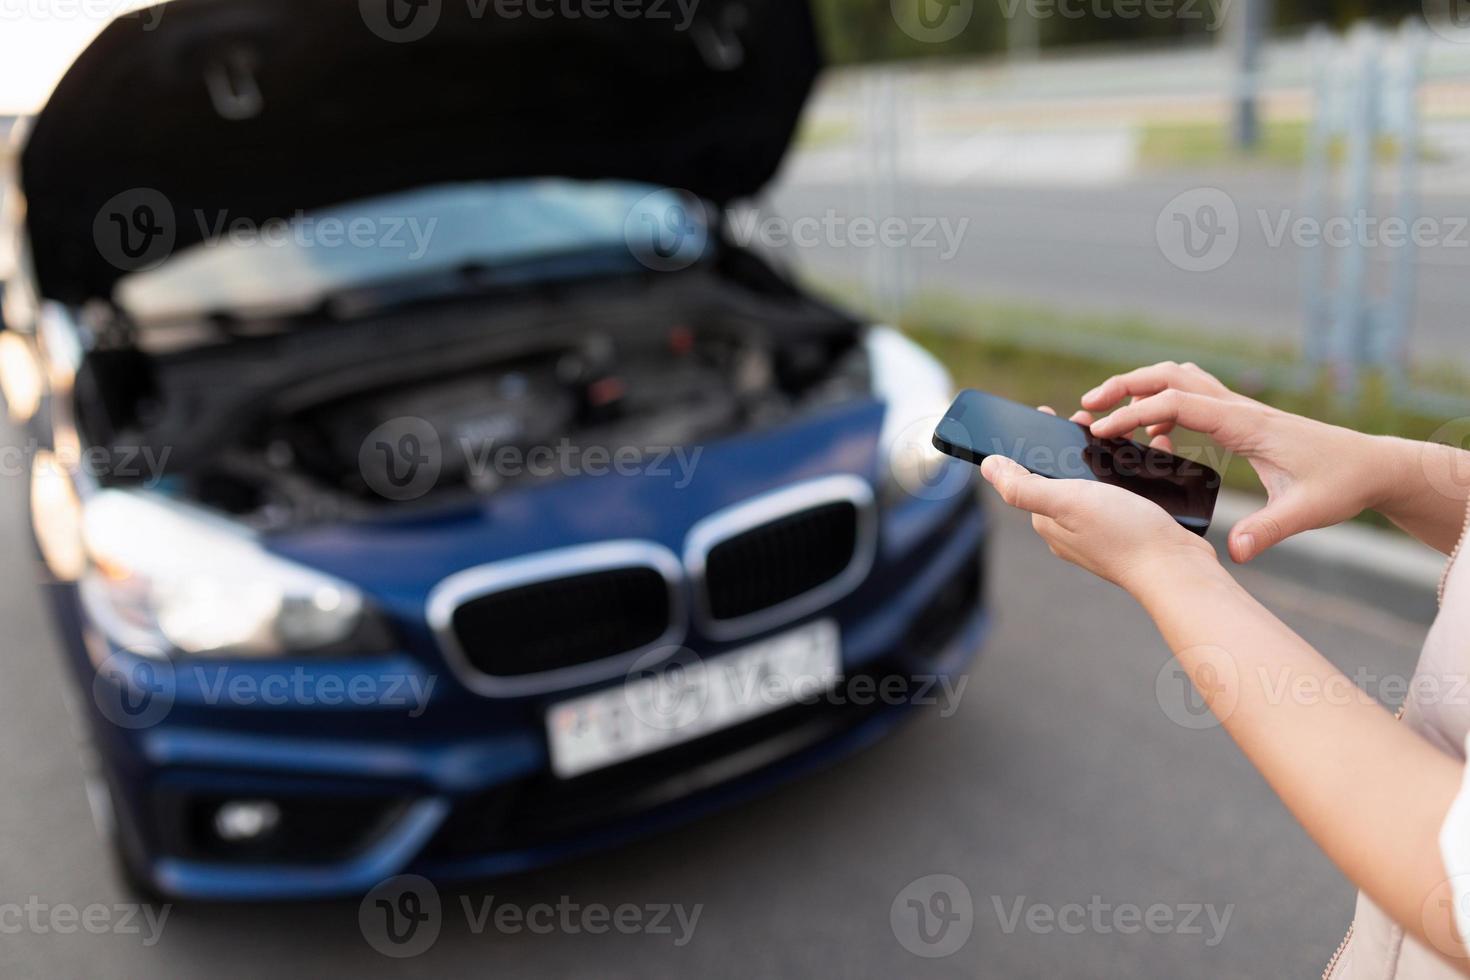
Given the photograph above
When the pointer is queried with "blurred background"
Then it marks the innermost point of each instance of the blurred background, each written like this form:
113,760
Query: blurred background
1276,189
1044,192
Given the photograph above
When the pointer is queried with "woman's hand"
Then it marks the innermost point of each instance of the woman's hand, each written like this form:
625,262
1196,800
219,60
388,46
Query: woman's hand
1115,534
1315,474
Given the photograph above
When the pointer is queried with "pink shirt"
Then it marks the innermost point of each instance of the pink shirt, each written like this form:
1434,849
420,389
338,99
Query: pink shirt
1439,710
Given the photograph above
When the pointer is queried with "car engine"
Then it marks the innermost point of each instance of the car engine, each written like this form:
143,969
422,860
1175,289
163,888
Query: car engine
299,426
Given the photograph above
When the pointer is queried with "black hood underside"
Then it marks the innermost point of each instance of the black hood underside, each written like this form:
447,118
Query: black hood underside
203,110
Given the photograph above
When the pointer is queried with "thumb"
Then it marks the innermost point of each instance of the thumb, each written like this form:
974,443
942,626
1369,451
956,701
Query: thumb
1270,525
1021,488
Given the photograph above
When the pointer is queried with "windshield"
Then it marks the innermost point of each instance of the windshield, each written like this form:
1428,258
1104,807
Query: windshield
293,264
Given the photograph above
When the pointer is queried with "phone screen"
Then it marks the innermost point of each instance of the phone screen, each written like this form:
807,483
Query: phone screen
979,425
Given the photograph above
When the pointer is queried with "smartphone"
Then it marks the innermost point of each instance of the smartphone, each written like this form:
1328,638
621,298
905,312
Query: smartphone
979,425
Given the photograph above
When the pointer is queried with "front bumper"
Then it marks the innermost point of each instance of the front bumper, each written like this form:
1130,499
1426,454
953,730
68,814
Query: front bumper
452,805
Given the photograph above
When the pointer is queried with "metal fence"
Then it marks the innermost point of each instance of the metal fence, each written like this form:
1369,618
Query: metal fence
1362,94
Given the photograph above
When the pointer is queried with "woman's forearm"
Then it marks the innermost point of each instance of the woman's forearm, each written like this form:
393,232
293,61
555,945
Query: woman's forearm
1371,792
1422,487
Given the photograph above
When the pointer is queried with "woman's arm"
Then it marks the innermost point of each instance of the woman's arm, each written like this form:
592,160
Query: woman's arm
1371,792
1424,489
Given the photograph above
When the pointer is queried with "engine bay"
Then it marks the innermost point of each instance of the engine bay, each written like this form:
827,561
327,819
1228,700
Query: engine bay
292,426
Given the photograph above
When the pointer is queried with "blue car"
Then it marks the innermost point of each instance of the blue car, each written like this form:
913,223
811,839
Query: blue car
423,477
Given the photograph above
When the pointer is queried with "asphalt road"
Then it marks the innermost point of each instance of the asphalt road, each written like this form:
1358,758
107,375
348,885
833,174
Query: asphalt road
1094,250
1059,784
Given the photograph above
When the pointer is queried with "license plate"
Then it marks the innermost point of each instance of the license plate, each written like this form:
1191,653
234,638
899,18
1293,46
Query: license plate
681,702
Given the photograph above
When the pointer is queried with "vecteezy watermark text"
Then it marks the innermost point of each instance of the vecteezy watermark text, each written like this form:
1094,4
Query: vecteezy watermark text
143,465
669,230
136,693
570,917
1213,12
674,691
835,230
938,21
1127,460
395,232
38,917
933,917
138,229
100,11
1101,917
1199,230
403,916
405,21
405,457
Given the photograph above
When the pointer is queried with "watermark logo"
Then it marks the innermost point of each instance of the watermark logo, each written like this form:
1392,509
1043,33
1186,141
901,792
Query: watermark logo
132,692
922,470
1452,482
135,230
932,21
667,230
668,689
1203,695
1447,906
1450,19
401,917
401,21
402,458
1198,230
933,916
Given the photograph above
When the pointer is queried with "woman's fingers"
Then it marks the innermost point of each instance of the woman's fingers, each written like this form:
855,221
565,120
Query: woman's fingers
1162,442
1082,416
1198,412
1159,431
1022,489
1145,381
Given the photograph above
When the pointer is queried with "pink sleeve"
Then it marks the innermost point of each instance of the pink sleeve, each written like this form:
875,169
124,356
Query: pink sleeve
1454,849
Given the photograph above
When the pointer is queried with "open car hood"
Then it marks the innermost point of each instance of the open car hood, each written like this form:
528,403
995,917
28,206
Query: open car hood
189,116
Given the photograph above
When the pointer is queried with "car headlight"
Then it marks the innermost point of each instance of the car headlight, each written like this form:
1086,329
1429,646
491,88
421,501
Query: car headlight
918,391
164,577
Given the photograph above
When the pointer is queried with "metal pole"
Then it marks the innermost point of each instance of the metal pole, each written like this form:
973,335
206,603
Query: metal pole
1316,190
1391,346
1023,34
1349,340
1250,22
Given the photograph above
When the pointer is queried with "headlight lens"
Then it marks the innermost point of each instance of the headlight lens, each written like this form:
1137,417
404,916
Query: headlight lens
917,390
163,577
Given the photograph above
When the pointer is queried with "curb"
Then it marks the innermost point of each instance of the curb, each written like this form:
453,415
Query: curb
1386,569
